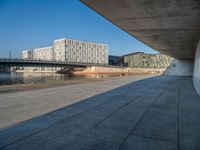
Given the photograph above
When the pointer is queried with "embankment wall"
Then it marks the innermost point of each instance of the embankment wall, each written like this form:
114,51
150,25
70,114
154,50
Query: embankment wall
119,70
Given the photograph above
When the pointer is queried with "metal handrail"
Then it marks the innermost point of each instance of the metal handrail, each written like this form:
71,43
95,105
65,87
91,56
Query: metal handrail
3,59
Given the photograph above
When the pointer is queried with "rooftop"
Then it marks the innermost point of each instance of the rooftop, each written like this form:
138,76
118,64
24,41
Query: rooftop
80,41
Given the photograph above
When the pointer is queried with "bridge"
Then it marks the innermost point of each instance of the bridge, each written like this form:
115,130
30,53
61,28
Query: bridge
24,63
8,64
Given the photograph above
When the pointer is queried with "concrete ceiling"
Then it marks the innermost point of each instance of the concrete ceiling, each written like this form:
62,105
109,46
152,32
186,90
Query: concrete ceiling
169,26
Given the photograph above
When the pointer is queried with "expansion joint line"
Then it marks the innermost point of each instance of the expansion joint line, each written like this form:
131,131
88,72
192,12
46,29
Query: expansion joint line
178,117
120,147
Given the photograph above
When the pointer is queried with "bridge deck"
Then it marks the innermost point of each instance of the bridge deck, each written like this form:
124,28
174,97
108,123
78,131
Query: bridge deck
155,113
17,62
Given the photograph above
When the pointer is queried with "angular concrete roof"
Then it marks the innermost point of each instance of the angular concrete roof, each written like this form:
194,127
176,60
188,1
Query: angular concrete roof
169,26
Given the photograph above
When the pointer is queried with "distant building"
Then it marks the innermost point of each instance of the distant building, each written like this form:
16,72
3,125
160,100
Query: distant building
70,50
79,51
142,60
45,53
27,54
116,60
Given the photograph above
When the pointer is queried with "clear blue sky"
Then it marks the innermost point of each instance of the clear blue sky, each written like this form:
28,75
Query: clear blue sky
26,24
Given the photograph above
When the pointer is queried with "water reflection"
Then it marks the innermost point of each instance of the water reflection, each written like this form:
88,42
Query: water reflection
26,78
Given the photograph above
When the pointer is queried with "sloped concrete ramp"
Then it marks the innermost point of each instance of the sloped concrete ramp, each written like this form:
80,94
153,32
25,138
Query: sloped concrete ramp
155,113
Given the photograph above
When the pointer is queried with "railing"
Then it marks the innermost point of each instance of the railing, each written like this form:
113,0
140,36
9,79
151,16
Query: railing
18,60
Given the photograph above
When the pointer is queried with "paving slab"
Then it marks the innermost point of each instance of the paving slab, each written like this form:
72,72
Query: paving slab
144,143
188,142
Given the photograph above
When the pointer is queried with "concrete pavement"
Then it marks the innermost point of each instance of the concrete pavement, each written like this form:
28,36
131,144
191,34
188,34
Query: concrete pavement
155,113
20,106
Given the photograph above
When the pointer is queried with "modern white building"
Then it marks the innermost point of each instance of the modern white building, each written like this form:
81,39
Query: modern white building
45,53
70,50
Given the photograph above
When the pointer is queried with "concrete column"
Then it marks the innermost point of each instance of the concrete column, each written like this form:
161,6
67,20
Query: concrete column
196,73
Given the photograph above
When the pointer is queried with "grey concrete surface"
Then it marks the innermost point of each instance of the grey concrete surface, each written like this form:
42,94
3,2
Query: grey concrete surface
169,26
17,107
159,113
196,73
180,67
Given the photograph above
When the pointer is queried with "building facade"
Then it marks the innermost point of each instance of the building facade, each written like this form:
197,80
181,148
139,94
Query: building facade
142,60
70,50
45,53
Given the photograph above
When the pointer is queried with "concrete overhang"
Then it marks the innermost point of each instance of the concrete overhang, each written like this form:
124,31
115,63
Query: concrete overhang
169,26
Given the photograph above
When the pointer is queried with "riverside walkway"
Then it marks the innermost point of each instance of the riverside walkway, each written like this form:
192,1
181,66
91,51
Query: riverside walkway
159,112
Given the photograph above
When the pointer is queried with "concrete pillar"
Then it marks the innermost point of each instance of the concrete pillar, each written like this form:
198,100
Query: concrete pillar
196,73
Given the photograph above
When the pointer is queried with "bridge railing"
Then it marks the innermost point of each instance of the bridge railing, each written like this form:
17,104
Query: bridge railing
19,60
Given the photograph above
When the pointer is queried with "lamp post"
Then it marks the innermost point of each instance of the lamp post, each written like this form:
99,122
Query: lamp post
9,54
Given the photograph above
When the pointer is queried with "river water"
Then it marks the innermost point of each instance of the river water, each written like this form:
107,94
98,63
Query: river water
26,78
